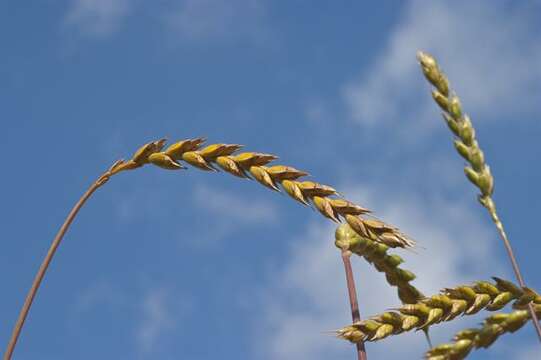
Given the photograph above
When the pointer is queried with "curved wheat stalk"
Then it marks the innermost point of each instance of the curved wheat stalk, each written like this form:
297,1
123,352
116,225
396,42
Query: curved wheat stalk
50,254
243,165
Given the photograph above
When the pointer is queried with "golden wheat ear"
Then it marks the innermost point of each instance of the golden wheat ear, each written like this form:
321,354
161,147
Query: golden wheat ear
255,165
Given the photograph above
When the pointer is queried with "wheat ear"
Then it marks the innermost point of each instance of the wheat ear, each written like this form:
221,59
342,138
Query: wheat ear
492,327
254,165
478,172
376,254
452,302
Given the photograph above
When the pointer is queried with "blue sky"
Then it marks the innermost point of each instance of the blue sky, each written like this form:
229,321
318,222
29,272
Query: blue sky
192,265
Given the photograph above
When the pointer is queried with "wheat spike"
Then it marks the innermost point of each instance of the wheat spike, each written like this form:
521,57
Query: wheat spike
469,339
467,146
452,302
376,253
255,165
460,124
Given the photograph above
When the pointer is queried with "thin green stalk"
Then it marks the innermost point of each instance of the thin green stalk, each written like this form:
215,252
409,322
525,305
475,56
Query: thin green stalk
491,207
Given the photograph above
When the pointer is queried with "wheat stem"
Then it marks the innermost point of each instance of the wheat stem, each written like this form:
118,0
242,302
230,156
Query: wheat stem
352,292
50,254
514,263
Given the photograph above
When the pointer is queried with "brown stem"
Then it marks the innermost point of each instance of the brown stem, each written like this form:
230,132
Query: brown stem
45,264
346,254
491,207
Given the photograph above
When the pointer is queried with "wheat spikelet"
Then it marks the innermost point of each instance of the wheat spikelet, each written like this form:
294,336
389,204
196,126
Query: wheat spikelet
255,165
492,327
376,253
452,302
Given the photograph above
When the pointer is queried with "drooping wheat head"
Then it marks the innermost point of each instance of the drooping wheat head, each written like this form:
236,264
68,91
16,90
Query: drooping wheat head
255,165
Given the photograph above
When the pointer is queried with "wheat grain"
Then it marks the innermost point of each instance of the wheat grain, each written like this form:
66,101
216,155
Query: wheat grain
493,327
452,302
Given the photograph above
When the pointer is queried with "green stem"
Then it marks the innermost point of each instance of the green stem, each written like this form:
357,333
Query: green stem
489,204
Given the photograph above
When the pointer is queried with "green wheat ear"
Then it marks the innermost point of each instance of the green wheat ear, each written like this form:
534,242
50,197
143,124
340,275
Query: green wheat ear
376,254
451,303
465,141
469,339
461,126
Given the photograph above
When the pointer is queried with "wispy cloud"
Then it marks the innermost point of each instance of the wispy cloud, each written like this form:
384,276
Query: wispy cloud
234,207
489,50
231,212
220,20
309,296
97,17
100,296
100,293
156,318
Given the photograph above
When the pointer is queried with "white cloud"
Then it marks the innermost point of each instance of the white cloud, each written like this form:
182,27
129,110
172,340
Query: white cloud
309,297
229,213
489,50
210,20
97,17
135,202
157,318
234,207
98,294
158,311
